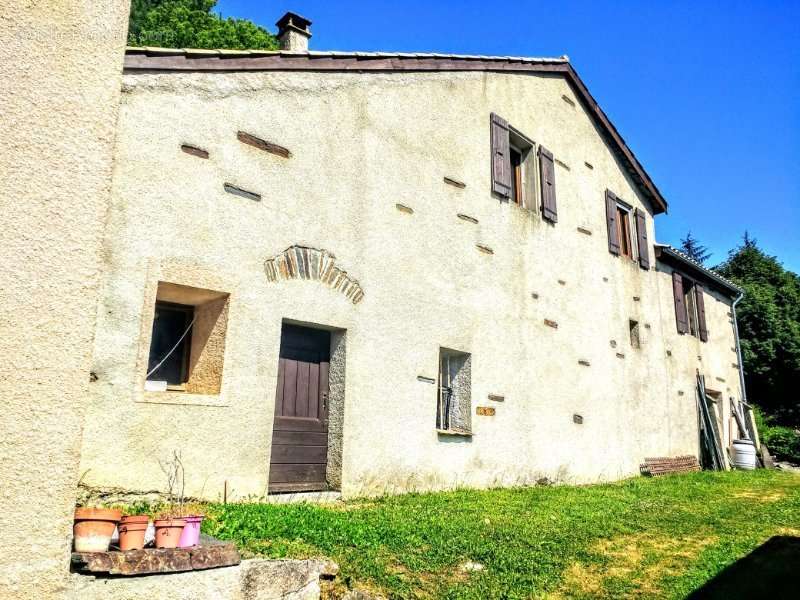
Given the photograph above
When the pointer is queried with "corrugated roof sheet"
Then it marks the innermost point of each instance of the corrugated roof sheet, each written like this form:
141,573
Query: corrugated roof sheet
158,51
688,260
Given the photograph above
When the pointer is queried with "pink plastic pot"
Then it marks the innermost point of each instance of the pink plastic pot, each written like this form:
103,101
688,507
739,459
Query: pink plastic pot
190,536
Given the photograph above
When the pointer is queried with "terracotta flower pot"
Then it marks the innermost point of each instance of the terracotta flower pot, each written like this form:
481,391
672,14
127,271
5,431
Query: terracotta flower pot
168,532
93,528
131,532
191,533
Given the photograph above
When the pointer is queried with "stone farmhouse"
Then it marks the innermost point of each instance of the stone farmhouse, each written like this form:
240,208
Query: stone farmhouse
375,273
360,272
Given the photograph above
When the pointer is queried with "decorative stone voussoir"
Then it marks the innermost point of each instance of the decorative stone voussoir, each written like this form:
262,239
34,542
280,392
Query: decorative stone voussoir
300,262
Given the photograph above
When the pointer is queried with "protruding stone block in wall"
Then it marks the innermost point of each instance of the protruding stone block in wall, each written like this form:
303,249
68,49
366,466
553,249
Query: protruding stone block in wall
455,182
194,151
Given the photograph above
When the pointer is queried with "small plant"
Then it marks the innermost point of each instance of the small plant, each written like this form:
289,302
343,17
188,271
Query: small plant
176,484
169,523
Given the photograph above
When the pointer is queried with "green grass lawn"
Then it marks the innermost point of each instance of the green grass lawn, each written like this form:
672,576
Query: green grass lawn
659,538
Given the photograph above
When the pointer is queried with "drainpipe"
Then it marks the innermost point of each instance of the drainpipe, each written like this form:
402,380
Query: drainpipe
756,441
739,346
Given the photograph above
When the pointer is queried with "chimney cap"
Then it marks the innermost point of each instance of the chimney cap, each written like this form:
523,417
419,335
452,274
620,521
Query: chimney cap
293,21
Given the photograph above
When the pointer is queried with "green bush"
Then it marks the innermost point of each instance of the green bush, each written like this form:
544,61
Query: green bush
783,442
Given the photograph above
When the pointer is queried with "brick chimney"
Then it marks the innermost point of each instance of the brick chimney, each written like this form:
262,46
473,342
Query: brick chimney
293,32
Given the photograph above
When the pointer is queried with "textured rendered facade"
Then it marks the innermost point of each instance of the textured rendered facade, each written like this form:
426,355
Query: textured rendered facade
59,94
543,309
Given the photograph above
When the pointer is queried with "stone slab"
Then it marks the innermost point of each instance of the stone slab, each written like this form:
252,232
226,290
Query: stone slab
255,579
156,560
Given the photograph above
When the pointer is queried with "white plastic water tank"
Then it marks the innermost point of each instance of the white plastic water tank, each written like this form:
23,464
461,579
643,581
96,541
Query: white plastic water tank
744,454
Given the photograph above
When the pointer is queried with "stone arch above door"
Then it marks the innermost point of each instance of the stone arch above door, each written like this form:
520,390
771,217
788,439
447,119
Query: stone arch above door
313,264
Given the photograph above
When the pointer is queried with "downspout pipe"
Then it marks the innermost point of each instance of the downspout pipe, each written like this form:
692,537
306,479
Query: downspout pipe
756,441
739,347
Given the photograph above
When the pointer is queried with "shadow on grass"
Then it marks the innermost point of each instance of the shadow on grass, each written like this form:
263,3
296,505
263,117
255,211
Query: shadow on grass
770,571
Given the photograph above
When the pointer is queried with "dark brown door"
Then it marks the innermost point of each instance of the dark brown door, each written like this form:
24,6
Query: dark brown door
300,434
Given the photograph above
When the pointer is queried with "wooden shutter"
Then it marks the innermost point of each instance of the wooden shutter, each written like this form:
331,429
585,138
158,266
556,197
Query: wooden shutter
681,316
611,221
641,238
501,159
701,312
548,174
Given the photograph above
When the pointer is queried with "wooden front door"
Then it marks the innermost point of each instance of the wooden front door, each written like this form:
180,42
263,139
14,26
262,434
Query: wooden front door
300,434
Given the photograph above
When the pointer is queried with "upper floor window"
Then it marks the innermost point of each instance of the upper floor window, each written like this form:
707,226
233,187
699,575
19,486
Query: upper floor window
514,169
626,224
624,231
515,154
690,312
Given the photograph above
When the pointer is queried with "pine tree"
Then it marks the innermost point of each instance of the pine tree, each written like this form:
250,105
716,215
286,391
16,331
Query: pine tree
694,249
769,326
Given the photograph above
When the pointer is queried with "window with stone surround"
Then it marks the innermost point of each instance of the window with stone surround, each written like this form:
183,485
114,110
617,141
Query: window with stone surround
633,330
187,344
454,402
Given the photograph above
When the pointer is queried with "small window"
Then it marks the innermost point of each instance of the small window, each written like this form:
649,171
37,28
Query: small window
520,153
691,305
690,312
187,345
455,393
513,170
170,343
624,231
516,175
633,329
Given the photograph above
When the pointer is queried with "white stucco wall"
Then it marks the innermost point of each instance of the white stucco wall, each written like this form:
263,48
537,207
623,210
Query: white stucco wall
59,93
362,143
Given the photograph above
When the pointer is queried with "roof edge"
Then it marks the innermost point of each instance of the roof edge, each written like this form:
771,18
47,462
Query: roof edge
665,250
176,59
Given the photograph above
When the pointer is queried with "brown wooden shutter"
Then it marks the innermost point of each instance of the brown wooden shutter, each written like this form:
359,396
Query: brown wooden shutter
641,236
681,316
611,221
701,312
501,159
548,173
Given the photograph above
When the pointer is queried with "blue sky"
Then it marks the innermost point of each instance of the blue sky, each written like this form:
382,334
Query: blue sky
707,94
